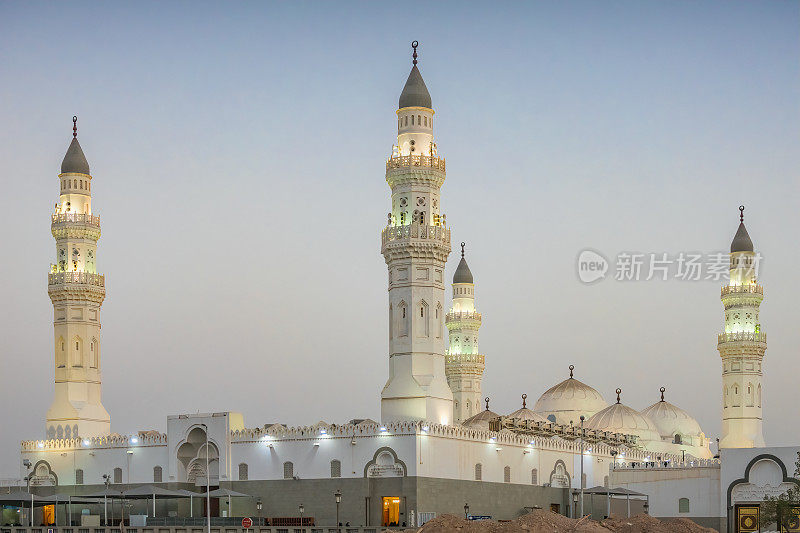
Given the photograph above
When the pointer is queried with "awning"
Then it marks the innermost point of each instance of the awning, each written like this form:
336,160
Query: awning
227,493
148,491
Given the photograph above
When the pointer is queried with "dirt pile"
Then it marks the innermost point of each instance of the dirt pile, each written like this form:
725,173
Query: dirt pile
541,521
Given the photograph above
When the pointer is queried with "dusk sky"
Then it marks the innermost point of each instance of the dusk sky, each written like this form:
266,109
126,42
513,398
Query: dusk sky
238,153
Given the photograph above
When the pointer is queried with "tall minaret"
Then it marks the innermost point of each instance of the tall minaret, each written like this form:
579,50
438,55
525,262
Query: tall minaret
77,292
415,244
464,363
742,347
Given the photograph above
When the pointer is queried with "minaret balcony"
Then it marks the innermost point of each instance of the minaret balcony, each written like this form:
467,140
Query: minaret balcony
81,278
407,161
742,336
83,218
742,289
463,316
464,358
415,233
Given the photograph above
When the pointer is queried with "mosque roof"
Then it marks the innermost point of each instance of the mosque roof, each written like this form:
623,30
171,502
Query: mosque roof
463,274
480,420
741,242
524,413
74,160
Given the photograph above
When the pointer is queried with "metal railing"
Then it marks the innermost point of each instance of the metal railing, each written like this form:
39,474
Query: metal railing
741,289
75,217
401,161
85,278
465,358
462,315
415,231
754,336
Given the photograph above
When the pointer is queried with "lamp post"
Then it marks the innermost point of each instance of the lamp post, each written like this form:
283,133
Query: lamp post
466,511
28,465
302,510
582,419
338,496
208,485
106,482
258,508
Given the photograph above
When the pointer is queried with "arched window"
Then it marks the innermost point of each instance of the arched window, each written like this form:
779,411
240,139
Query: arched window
61,356
426,122
412,120
288,470
534,477
77,355
79,476
158,474
242,471
439,320
406,120
478,472
507,474
423,326
750,395
118,475
758,395
683,505
391,322
336,468
403,326
678,439
419,120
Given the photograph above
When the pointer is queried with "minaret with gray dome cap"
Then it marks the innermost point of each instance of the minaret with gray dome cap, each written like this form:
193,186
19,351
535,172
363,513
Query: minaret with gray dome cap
742,346
464,363
77,292
415,244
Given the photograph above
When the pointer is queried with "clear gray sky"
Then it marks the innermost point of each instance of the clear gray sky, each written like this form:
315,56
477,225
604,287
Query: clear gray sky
238,158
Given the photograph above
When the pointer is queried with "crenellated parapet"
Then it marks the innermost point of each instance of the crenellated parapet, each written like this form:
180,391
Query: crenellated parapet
107,441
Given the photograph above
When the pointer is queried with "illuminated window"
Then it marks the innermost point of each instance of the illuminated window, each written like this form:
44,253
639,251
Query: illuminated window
678,439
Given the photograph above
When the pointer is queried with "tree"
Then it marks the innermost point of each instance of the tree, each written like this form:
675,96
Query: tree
781,505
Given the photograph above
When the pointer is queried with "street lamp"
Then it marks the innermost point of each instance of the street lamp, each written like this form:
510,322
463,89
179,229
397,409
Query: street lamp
106,482
258,507
208,484
466,511
302,510
582,419
27,464
338,496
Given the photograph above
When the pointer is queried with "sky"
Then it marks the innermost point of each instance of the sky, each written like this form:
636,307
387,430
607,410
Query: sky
237,153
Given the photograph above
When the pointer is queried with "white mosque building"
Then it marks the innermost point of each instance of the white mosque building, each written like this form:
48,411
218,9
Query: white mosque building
438,445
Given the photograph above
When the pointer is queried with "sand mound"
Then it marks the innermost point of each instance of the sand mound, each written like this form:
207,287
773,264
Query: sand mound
541,521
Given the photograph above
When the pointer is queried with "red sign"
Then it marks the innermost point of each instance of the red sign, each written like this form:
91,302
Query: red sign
247,523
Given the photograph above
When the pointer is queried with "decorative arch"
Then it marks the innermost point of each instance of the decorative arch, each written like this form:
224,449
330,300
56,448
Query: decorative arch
385,463
76,347
42,475
560,477
61,353
94,355
191,455
746,479
422,316
403,318
439,319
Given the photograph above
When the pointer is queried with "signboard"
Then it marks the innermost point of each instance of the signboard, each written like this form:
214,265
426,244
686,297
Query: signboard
790,524
746,518
247,523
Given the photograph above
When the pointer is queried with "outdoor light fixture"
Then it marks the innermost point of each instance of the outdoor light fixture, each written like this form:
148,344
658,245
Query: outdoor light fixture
383,428
86,442
134,440
130,452
40,444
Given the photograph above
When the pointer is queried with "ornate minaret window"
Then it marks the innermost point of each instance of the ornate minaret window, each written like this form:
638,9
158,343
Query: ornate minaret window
464,364
742,347
415,244
77,293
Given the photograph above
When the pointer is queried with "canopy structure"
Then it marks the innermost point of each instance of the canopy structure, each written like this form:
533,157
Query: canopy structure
222,493
610,493
151,491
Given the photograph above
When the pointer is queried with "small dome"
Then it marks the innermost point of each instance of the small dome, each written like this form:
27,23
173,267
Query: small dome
415,93
741,242
463,274
619,418
480,420
568,400
526,414
671,420
74,160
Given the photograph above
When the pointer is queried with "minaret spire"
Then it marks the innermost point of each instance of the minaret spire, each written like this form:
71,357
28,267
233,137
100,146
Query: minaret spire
74,126
414,55
741,214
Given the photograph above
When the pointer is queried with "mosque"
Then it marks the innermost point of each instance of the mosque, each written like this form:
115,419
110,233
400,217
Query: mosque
438,447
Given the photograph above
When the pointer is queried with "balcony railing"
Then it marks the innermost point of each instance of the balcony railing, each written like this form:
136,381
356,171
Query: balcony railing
752,336
85,278
462,315
465,358
742,289
415,231
76,217
427,161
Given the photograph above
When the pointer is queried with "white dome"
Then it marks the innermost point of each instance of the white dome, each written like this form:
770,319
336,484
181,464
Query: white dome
619,418
671,420
568,400
526,414
481,420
